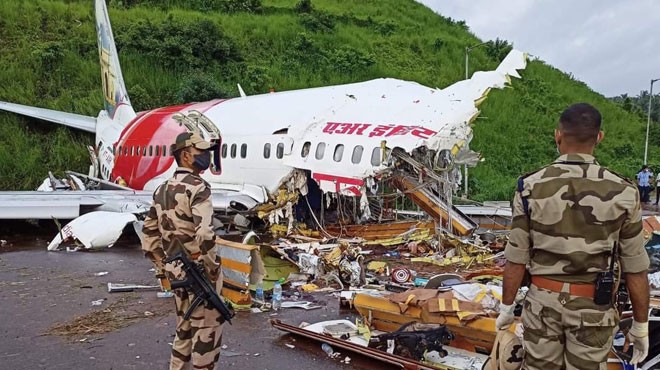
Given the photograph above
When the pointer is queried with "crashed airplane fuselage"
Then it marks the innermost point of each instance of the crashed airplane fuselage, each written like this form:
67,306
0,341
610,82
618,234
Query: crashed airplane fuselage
344,137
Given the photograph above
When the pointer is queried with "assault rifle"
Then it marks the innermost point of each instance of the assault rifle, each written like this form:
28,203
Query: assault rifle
201,287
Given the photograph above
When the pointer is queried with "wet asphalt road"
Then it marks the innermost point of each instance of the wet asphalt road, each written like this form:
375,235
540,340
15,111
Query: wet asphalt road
39,289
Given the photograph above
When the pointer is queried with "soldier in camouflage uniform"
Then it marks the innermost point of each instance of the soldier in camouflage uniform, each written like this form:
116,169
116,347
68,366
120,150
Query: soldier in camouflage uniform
180,218
567,218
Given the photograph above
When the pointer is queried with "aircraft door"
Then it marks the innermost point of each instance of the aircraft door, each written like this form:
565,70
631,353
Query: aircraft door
216,165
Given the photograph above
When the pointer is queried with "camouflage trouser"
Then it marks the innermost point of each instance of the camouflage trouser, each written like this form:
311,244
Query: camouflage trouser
566,332
194,340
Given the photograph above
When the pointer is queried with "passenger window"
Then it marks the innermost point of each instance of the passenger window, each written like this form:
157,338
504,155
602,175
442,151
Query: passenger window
164,151
157,150
144,151
151,151
125,150
339,152
233,150
243,150
280,150
267,150
119,150
357,154
375,156
320,150
224,150
305,149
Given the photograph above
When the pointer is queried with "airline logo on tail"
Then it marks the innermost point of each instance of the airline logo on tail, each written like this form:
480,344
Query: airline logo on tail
114,91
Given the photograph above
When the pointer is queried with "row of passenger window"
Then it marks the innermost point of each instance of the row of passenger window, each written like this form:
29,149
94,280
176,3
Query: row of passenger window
161,150
137,150
338,153
337,156
232,149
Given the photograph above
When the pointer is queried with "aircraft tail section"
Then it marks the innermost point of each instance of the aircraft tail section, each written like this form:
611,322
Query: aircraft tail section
115,95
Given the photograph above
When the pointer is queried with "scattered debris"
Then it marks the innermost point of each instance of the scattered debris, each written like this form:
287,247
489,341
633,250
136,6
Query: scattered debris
309,287
93,230
98,302
118,287
300,304
114,316
327,349
102,273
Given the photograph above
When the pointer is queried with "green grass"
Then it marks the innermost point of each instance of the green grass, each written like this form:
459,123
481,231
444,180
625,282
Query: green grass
49,58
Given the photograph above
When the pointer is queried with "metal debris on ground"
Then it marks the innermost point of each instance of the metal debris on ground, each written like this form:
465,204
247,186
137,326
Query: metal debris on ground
118,287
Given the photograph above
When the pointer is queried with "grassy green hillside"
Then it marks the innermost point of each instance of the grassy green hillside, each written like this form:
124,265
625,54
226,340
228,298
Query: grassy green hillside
169,48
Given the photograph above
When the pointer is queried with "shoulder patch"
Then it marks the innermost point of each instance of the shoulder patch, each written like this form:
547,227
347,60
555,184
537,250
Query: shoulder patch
520,188
528,174
627,180
157,190
193,180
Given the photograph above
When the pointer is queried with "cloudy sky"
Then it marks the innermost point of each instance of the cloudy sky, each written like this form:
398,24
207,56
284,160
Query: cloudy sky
612,45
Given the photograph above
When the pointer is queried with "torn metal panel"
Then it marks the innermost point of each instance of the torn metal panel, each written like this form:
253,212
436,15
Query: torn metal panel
410,236
94,229
390,113
241,266
489,217
357,340
276,266
401,362
433,205
383,230
119,287
241,263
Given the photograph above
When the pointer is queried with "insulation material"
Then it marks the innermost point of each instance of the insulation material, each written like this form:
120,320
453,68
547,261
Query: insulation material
488,296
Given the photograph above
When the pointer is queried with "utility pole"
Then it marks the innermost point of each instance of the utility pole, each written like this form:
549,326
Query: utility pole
648,121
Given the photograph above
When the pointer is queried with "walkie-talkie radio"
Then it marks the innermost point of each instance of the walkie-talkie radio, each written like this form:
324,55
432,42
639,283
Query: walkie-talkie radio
605,282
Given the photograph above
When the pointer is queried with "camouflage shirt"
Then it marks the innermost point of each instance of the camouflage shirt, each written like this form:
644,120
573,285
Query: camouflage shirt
181,216
576,212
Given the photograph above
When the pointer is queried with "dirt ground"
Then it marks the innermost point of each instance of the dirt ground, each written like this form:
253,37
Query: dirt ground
47,319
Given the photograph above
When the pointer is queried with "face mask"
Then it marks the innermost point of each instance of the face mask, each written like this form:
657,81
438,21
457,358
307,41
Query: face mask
202,161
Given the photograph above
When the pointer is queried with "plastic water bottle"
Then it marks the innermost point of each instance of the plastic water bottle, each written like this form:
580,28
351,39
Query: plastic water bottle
259,292
327,349
277,295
